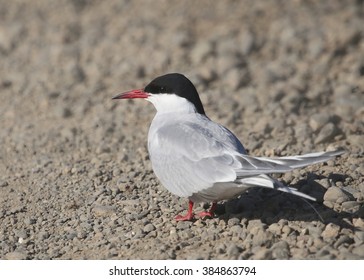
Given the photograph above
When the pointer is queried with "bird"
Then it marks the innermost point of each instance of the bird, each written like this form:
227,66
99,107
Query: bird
198,159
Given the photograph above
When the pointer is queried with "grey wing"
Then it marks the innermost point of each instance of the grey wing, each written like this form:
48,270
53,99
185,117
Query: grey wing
188,157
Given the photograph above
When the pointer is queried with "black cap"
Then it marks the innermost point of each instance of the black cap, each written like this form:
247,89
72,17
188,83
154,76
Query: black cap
175,83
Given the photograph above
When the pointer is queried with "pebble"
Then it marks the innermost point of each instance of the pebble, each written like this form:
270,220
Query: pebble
201,51
301,131
263,254
148,228
275,228
16,256
360,236
247,42
314,231
359,250
3,184
344,239
280,250
236,229
63,112
317,121
233,251
233,222
335,194
351,206
102,210
330,231
324,253
326,134
183,225
261,237
220,248
29,221
6,40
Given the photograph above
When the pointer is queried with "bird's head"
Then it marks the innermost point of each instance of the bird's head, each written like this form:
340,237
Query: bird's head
169,93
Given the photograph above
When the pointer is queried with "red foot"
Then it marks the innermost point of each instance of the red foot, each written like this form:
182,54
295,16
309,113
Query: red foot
205,214
209,213
189,216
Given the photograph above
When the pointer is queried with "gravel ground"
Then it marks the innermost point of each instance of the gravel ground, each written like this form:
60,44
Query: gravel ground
75,179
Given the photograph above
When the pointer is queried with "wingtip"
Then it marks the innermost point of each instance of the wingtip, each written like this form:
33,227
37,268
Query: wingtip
337,152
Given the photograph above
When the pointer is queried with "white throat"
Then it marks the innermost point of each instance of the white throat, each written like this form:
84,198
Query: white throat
171,103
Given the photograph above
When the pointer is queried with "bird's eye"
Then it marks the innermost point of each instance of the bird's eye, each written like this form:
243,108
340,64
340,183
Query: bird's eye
163,89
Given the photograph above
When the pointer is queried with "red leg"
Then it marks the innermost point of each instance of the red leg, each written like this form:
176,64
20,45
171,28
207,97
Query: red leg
209,213
188,216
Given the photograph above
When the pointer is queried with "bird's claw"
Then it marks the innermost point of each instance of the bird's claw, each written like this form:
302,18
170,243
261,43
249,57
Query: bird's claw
205,214
187,217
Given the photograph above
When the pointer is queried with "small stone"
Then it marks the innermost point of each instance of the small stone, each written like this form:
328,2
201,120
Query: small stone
64,112
261,237
275,228
324,253
16,256
220,248
233,221
95,173
286,230
43,235
342,91
359,223
3,184
351,206
201,51
71,235
302,130
21,233
237,229
247,42
184,225
343,239
315,47
280,250
263,254
29,221
148,228
354,139
122,178
314,231
233,251
317,121
102,210
330,231
359,250
324,183
334,194
6,43
360,235
102,148
326,134
328,204
235,78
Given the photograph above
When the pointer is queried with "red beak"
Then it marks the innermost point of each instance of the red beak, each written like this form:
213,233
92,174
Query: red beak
135,93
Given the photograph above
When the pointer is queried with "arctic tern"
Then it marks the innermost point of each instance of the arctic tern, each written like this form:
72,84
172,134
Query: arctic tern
201,160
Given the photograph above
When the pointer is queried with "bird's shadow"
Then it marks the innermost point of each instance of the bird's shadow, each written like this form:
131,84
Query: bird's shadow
270,205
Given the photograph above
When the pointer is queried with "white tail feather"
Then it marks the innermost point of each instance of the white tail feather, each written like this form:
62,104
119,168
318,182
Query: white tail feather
268,182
